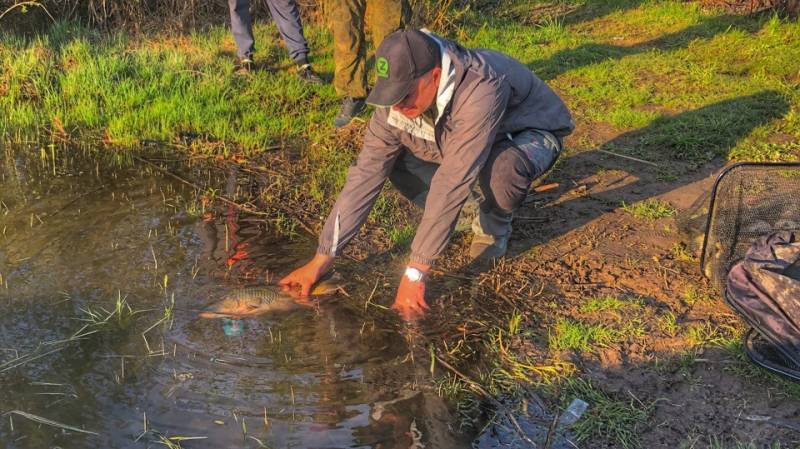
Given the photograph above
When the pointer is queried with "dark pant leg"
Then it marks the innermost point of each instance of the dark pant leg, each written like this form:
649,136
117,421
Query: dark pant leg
505,178
242,27
287,18
412,177
349,51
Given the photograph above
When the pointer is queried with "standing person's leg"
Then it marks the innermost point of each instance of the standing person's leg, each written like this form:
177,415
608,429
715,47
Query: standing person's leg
287,17
242,28
504,180
350,78
386,17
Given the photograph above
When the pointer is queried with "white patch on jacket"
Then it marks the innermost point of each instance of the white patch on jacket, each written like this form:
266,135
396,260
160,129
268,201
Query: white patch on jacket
447,85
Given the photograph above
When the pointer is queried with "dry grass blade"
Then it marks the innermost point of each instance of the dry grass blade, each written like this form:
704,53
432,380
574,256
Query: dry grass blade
26,4
49,422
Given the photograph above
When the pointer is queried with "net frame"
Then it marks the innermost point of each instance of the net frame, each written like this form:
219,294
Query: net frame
710,266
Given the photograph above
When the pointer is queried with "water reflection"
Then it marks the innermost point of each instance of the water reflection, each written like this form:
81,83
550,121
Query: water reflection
90,234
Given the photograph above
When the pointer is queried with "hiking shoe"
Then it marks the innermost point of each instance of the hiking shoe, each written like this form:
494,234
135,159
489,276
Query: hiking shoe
487,247
351,107
307,74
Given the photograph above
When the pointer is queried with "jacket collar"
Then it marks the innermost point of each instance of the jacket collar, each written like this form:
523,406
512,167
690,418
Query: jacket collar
447,83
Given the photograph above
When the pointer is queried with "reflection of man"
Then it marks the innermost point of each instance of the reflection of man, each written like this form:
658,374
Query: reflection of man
446,117
349,47
287,18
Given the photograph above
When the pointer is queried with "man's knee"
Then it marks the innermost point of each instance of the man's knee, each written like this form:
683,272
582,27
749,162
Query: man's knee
505,179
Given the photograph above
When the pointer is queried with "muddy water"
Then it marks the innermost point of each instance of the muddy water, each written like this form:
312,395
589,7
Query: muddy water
105,262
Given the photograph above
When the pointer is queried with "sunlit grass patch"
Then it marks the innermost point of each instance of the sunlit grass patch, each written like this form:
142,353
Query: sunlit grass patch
693,295
402,235
667,323
681,253
569,334
649,209
608,303
708,334
610,419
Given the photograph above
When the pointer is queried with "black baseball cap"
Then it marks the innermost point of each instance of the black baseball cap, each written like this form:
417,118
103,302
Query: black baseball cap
401,59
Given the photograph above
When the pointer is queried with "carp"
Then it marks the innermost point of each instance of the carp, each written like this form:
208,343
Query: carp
254,301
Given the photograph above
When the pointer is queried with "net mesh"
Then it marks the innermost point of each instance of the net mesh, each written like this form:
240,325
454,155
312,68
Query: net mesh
749,200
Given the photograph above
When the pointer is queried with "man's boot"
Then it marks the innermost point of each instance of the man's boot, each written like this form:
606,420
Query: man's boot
351,107
491,230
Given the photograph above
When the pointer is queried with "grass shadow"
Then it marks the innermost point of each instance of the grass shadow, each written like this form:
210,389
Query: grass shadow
593,53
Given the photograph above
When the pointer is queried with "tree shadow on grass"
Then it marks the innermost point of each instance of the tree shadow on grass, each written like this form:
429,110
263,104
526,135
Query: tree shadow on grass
593,53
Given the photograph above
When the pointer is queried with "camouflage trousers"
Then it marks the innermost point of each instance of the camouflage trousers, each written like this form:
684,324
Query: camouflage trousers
347,19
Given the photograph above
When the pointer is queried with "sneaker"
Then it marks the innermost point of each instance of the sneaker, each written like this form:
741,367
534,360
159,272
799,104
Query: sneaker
307,74
351,107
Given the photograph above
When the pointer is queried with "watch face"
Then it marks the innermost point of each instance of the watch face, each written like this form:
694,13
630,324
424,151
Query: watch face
413,274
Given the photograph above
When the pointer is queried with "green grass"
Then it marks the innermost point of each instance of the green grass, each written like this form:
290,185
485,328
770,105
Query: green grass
608,303
649,209
121,90
570,334
681,253
682,81
403,235
609,419
693,295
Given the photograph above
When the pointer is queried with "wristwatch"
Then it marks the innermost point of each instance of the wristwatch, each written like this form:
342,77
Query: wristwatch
413,274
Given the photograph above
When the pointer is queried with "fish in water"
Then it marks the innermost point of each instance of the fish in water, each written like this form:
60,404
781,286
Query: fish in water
254,301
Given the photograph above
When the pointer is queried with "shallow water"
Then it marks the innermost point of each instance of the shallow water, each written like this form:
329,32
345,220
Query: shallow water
83,233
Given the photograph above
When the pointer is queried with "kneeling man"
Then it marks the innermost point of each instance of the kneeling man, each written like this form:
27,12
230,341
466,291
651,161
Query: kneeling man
445,117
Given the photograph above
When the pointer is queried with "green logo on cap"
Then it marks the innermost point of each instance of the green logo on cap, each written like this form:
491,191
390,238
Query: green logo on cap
382,67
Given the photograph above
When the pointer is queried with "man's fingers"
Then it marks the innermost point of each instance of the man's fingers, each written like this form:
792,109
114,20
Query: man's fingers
305,288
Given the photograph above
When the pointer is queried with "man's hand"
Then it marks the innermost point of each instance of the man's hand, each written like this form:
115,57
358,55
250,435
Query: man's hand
306,276
410,300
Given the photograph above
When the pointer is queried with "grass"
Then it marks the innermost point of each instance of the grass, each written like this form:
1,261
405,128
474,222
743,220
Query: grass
681,253
693,295
608,303
403,235
569,334
609,419
649,209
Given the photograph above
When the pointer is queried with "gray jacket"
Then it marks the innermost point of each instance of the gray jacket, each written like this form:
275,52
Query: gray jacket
483,97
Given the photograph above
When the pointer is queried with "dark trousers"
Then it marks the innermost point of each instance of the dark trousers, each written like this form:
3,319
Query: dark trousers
287,18
504,179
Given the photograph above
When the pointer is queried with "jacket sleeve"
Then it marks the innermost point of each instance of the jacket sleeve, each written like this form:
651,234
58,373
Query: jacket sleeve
476,120
362,186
